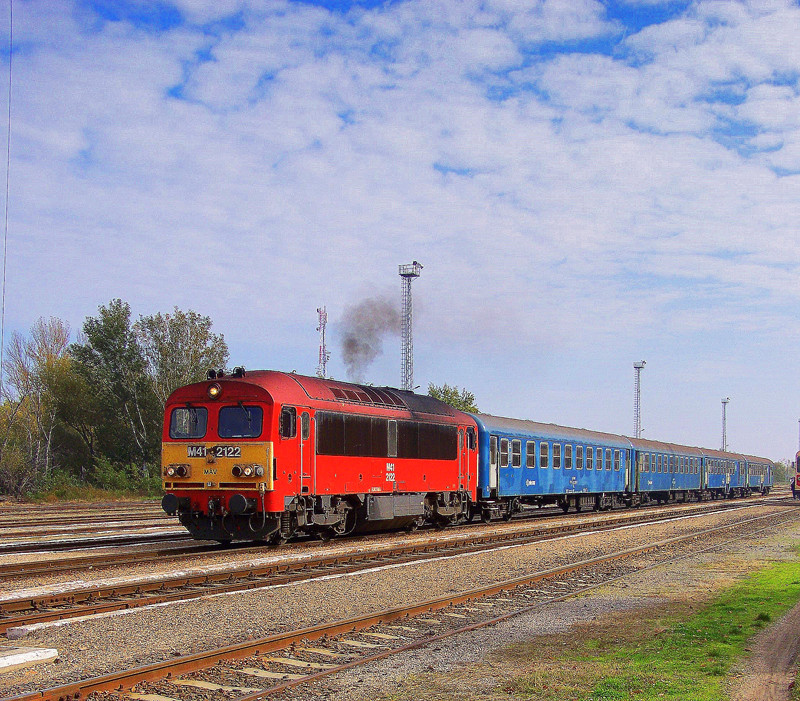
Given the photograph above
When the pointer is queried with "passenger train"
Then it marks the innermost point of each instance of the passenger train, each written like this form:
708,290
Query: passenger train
266,455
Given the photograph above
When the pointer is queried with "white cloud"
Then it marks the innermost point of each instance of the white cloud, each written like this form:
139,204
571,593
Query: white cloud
603,200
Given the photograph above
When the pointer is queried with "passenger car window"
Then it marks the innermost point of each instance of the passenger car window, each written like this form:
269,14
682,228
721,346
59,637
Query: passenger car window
530,454
567,457
544,455
516,449
579,457
556,456
188,422
504,452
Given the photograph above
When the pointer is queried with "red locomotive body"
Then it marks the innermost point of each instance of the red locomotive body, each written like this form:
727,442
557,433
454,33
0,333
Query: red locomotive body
264,455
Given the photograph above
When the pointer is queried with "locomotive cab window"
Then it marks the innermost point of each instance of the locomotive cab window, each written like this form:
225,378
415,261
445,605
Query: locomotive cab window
471,438
240,421
288,424
188,422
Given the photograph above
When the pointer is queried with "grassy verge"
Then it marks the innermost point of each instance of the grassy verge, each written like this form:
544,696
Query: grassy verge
680,654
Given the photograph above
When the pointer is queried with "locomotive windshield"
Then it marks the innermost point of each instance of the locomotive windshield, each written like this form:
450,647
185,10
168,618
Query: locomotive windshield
240,421
188,422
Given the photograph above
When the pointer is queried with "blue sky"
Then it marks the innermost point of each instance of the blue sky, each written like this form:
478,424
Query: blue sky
587,184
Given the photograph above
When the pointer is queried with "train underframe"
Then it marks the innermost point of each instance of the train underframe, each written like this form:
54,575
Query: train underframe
327,516
324,516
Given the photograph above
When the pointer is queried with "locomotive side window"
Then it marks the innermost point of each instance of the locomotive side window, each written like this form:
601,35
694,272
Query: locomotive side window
516,450
556,456
589,458
471,438
288,422
240,421
579,457
188,422
530,454
544,455
567,457
392,439
504,452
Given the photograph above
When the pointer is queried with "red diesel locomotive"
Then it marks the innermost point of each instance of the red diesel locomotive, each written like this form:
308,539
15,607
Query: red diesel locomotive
265,455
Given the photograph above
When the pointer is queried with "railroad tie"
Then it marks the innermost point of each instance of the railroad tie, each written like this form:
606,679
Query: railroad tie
264,674
384,636
320,651
297,663
359,643
210,686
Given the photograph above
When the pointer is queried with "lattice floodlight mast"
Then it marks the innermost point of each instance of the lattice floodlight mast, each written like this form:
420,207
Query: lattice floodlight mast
637,399
725,423
407,275
324,354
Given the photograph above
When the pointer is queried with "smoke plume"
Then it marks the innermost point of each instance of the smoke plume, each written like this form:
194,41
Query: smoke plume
364,326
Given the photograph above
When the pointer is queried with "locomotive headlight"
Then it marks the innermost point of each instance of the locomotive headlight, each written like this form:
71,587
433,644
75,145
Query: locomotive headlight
259,471
248,471
214,391
170,471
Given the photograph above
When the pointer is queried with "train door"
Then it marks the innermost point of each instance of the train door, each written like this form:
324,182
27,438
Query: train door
466,444
308,455
493,462
629,471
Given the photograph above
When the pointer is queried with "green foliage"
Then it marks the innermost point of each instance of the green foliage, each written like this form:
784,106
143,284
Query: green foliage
87,417
178,348
460,399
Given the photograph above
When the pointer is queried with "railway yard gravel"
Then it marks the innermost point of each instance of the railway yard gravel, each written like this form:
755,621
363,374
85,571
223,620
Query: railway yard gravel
105,644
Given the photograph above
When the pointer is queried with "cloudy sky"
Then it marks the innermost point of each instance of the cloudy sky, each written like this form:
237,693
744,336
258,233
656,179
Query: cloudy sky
587,184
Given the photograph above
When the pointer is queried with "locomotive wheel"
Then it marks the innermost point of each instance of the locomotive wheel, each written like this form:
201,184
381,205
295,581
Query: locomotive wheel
565,506
278,538
486,516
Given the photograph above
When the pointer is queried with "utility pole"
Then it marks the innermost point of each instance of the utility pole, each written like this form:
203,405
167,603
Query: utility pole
324,355
408,273
637,399
725,423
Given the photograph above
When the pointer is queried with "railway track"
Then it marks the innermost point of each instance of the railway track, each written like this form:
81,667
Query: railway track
187,553
272,665
90,600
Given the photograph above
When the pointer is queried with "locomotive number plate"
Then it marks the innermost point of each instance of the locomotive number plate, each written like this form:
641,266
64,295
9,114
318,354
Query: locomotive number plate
218,451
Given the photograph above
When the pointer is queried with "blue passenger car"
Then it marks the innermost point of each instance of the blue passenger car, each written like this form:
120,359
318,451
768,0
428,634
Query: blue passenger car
666,471
759,474
528,463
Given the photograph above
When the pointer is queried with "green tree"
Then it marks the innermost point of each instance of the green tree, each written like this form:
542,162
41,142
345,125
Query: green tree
31,417
114,366
460,399
178,348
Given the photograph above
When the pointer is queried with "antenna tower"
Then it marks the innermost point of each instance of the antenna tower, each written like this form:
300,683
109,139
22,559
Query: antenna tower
637,400
324,354
407,274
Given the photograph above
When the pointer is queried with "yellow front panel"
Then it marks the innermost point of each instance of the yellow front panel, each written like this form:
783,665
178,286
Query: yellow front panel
211,465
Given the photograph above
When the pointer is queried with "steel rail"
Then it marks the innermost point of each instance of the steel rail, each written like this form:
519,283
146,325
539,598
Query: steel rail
89,600
199,661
